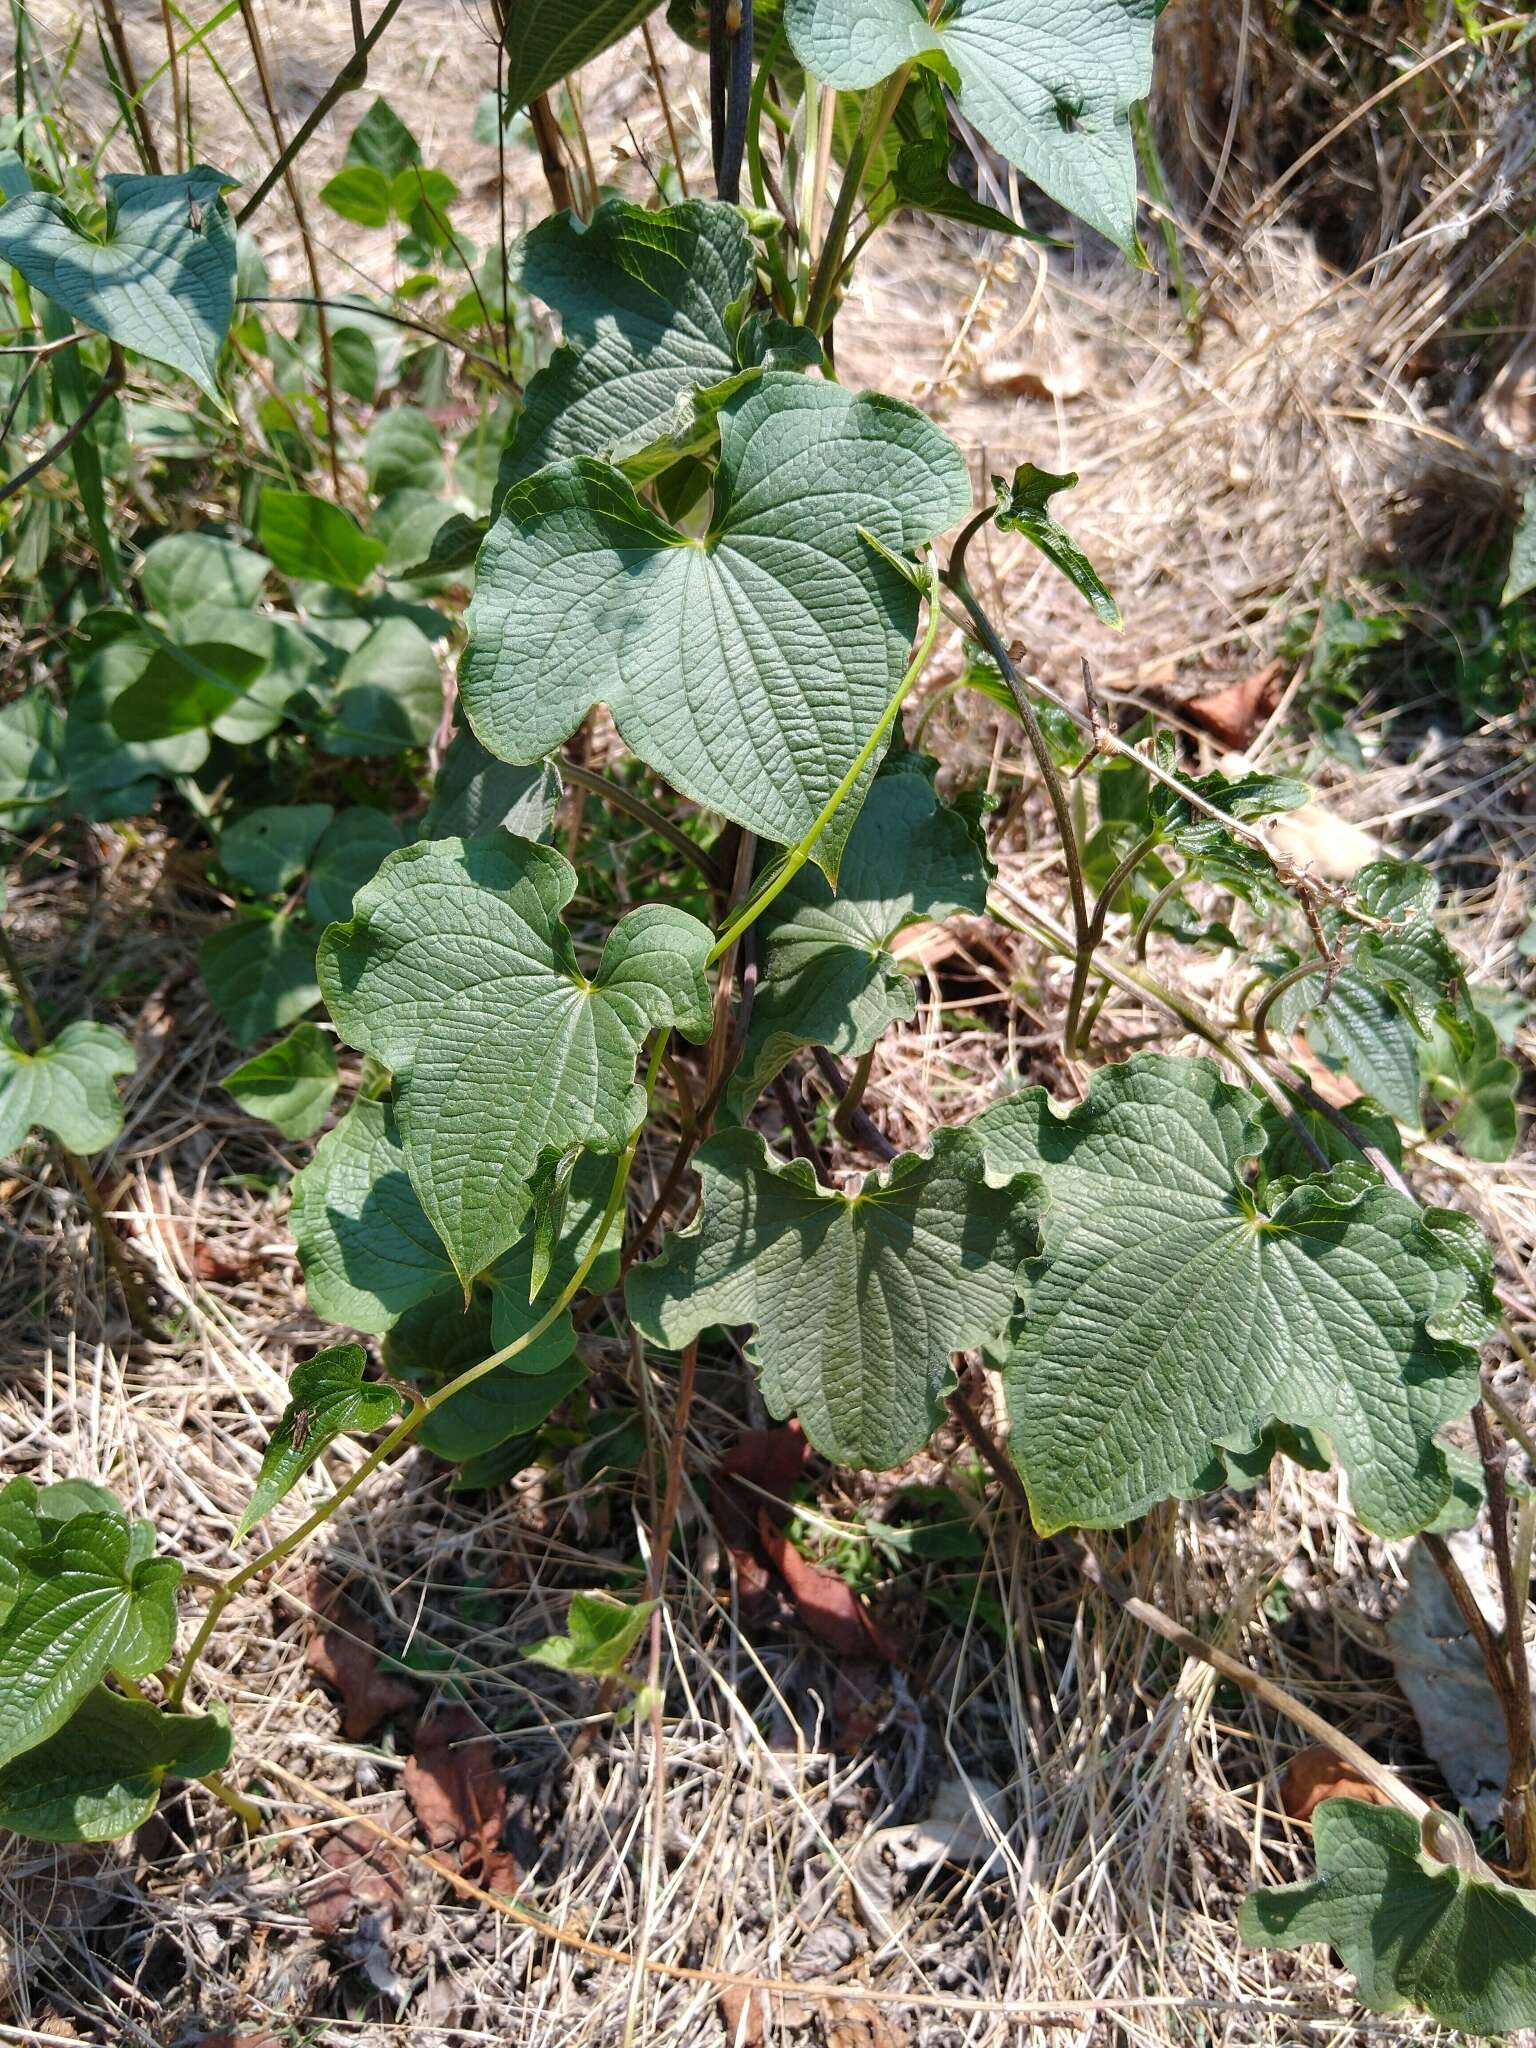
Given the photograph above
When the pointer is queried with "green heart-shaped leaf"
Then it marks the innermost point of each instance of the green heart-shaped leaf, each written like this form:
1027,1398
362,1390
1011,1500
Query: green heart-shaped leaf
647,301
67,1087
1171,1314
456,972
92,1600
547,39
100,1776
328,1397
860,1301
291,1084
260,972
161,280
1414,1931
1051,88
749,668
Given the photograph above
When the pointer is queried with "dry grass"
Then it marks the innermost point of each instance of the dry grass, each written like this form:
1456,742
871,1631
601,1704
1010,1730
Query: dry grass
1222,488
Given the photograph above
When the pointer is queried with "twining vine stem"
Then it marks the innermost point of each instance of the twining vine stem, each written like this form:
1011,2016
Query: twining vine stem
407,1426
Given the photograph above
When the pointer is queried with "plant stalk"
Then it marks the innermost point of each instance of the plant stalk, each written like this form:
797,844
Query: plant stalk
801,851
874,119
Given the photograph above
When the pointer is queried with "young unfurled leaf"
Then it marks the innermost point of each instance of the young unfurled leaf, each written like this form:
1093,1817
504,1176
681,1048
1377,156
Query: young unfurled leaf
750,668
600,1635
67,1087
1172,1314
309,537
1414,1931
921,181
328,1397
260,972
92,1600
859,1301
291,1084
267,849
828,976
101,1775
1461,1060
456,972
646,301
1051,89
547,39
475,793
382,141
350,852
161,280
1024,506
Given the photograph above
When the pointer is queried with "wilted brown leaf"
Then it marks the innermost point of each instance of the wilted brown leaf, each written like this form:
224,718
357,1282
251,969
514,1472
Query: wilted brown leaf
1234,715
362,1875
1313,1775
862,2026
745,2015
342,1653
460,1798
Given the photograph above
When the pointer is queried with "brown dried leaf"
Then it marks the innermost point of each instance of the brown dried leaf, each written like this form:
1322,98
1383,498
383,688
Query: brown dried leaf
745,2016
342,1653
460,1798
1313,1775
863,2026
237,2041
362,1875
1234,715
826,1604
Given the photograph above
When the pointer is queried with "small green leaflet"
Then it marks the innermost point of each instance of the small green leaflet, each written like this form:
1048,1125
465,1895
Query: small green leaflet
475,793
291,1084
748,668
267,849
1024,506
328,1397
260,972
67,1087
828,976
93,1599
1171,1314
382,142
306,536
1049,88
859,1302
1461,1059
100,1776
649,302
456,972
600,1635
546,39
161,280
1414,1931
